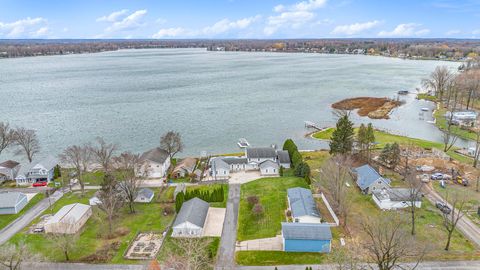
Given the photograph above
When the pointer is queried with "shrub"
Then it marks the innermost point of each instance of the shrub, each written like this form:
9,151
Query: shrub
290,146
296,159
281,170
308,180
179,201
289,213
168,210
252,200
257,210
302,170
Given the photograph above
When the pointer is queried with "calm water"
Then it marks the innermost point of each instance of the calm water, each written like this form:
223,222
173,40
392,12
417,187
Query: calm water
213,98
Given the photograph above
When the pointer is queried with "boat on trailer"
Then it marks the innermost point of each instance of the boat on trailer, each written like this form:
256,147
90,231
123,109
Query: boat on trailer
243,143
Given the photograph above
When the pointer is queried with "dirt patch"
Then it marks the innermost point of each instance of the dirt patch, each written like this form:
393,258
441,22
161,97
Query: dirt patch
374,108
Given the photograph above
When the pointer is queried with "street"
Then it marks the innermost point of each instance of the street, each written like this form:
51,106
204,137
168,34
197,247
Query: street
24,220
226,250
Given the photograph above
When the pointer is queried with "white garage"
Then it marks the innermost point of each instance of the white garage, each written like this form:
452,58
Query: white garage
190,220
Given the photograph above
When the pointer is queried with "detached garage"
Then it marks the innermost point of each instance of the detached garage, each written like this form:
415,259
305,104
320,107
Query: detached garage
69,219
12,202
306,237
190,220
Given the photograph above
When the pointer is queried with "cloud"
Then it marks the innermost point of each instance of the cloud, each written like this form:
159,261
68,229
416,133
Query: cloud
171,33
453,32
292,16
405,30
476,32
114,16
226,25
353,29
25,28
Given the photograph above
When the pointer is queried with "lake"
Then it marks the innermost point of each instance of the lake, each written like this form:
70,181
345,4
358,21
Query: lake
131,97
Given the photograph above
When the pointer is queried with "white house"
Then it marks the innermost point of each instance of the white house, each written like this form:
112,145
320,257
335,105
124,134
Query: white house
8,170
69,219
368,179
145,195
395,198
12,202
260,154
154,163
219,169
302,205
269,167
190,220
462,118
37,171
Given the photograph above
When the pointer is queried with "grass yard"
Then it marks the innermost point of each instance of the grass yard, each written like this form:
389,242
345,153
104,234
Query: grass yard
278,258
426,96
383,138
272,193
92,245
7,219
170,247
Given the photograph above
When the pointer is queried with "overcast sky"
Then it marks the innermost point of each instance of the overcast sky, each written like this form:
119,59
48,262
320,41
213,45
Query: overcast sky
239,18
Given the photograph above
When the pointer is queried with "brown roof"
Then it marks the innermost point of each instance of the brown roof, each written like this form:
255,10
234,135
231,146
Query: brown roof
187,163
9,164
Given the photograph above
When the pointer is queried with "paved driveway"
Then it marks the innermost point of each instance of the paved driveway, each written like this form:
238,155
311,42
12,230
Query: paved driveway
226,251
214,222
243,177
272,243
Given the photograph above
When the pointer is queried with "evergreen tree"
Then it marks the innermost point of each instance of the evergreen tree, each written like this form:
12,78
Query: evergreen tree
394,155
302,170
308,180
56,172
290,146
362,137
342,137
296,158
369,138
281,171
179,201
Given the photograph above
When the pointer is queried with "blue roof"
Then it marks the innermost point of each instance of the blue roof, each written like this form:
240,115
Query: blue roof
366,175
306,231
302,202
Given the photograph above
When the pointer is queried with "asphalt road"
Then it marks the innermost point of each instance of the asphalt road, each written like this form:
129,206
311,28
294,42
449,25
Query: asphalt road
226,251
464,225
23,221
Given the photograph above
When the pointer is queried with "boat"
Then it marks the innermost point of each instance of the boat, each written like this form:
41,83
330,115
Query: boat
425,109
243,143
403,92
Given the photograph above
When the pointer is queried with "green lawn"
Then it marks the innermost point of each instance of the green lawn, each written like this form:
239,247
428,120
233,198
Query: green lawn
383,138
169,247
148,217
272,193
426,97
441,123
278,258
7,219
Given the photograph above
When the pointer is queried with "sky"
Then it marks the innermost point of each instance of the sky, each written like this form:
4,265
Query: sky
239,19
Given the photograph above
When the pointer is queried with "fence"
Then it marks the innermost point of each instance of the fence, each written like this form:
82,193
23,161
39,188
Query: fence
332,213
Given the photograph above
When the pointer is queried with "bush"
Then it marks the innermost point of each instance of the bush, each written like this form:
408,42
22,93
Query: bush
281,170
168,210
302,170
179,201
296,159
289,213
308,180
257,210
290,146
252,200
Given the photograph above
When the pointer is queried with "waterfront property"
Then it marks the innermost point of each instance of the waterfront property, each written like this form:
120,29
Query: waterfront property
306,237
369,180
396,198
154,163
8,170
462,118
184,168
69,219
12,202
302,205
266,160
37,171
191,218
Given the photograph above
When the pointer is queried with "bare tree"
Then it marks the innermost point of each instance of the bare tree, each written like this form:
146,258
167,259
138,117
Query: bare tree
79,157
388,242
349,257
438,80
449,136
111,199
28,142
172,143
12,256
450,219
7,136
65,242
192,254
336,174
130,184
414,187
103,153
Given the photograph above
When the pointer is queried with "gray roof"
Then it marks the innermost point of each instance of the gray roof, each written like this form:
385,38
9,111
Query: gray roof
10,199
218,163
70,213
366,176
306,231
261,152
156,155
302,202
145,192
283,156
193,211
10,164
48,163
396,194
234,160
268,163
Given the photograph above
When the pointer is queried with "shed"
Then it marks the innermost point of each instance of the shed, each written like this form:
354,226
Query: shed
369,180
190,219
145,195
302,205
12,202
396,198
69,219
306,237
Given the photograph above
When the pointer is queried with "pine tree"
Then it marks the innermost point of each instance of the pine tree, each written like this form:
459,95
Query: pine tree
290,146
281,171
369,138
361,137
179,199
342,137
296,158
302,170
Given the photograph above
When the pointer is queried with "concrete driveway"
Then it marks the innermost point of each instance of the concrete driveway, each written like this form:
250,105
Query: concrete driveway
273,243
214,222
243,177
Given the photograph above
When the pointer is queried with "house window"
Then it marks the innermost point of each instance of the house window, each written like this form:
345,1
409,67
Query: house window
224,172
297,220
273,170
379,182
258,159
266,170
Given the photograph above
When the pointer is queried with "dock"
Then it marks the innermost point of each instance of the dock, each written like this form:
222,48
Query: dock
309,124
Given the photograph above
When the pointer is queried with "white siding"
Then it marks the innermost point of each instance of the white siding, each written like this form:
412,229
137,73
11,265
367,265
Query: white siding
187,229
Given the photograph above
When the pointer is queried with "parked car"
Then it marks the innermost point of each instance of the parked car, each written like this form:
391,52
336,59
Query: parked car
425,178
443,207
40,184
38,230
437,176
